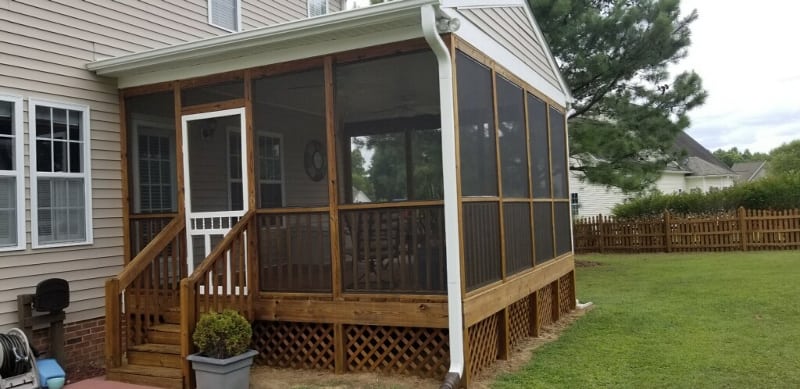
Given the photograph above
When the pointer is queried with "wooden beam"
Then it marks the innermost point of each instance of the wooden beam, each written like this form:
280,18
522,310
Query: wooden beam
176,90
126,205
333,192
491,300
215,106
388,313
339,359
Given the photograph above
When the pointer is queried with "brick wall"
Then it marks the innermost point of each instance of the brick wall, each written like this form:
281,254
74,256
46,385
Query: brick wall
83,348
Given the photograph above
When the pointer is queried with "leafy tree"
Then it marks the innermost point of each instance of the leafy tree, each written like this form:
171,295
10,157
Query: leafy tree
785,160
627,111
359,175
733,155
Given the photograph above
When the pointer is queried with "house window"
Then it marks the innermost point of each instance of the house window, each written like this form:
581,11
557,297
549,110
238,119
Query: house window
225,14
154,169
12,195
317,7
60,179
270,171
573,199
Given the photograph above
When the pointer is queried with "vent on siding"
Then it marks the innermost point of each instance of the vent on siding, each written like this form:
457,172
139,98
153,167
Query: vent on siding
317,7
224,14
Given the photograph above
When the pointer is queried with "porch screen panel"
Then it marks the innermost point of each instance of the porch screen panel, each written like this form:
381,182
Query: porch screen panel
539,148
213,186
563,231
517,221
393,250
389,137
513,149
476,128
152,167
543,231
291,147
294,252
481,243
558,146
212,93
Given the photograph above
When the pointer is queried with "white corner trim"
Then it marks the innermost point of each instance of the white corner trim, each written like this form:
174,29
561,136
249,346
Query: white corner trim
19,169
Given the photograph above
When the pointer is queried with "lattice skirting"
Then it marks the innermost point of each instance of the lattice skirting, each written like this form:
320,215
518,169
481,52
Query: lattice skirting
295,345
418,351
519,320
483,342
544,306
404,350
566,293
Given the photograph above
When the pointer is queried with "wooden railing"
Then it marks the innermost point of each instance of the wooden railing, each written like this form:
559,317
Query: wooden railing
294,252
393,249
742,230
146,288
143,228
221,281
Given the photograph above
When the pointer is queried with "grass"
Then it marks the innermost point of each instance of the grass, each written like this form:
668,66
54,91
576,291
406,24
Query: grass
717,320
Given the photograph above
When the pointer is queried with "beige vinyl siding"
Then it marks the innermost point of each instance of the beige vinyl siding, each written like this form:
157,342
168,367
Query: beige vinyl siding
511,28
45,47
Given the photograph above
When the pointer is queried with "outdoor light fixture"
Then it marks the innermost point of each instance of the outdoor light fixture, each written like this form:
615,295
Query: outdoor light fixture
444,25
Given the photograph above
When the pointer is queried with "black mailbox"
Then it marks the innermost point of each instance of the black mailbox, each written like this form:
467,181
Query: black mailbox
52,295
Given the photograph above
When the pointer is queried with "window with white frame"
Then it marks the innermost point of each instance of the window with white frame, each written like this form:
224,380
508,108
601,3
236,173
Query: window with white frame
573,200
270,171
225,14
60,174
154,168
317,7
12,187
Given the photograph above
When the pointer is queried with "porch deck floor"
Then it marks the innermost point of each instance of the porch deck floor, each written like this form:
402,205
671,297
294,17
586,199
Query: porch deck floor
101,383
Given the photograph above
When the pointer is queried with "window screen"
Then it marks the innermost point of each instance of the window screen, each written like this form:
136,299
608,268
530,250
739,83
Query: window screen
513,153
317,7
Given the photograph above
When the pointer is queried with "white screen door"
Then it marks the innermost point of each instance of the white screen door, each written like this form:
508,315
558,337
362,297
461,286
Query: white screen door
213,206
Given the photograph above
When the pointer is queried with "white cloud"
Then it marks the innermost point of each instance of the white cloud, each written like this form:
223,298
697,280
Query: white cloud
745,54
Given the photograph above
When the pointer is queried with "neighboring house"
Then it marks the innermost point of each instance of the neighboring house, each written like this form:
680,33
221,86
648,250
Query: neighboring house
169,158
698,169
750,171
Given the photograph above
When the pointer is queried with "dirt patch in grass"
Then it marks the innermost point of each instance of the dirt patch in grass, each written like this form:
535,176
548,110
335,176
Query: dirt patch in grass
265,377
579,263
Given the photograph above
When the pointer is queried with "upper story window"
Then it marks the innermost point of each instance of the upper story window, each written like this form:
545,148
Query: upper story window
317,7
225,14
12,187
60,174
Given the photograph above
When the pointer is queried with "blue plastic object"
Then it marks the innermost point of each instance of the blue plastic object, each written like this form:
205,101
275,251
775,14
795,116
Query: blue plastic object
49,368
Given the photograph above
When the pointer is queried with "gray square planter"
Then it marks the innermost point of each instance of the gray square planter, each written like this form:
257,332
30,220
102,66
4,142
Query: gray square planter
231,373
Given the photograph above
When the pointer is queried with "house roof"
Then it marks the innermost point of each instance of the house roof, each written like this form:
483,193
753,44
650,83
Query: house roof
699,161
389,22
748,170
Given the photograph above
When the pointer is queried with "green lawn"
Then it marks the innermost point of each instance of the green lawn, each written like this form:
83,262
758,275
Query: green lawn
697,320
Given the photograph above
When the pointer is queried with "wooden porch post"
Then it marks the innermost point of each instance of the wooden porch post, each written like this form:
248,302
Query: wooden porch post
176,91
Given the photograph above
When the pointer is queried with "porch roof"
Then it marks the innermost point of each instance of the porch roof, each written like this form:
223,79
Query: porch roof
384,23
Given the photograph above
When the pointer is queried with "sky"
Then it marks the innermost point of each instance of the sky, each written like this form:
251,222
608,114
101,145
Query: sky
747,56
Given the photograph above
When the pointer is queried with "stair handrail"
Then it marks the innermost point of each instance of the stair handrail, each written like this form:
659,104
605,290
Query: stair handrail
189,289
115,285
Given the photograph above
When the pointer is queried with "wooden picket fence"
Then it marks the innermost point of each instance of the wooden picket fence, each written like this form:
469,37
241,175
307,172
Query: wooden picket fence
745,229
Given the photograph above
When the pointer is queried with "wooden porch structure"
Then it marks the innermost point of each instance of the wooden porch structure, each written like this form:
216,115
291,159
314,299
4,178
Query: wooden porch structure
330,276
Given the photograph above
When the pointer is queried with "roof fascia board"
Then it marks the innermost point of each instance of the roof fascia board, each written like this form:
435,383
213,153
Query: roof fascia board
248,39
190,70
476,37
550,59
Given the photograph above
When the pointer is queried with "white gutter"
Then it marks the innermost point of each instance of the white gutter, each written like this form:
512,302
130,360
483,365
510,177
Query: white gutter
451,227
251,39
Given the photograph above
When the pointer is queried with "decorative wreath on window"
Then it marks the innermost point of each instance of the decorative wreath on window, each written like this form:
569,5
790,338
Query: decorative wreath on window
315,161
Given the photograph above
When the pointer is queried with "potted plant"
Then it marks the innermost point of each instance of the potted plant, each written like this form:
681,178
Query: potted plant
224,359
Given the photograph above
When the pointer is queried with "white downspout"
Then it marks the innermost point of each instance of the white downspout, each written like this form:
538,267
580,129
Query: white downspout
451,227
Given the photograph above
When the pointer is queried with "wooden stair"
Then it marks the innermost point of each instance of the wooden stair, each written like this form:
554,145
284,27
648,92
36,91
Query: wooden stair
157,362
